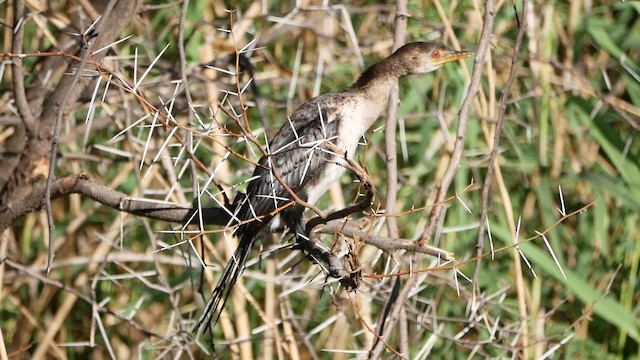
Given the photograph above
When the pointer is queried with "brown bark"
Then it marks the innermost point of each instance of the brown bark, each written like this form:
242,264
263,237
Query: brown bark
34,152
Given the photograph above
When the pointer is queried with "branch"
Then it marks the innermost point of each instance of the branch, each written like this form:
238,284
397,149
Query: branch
385,243
17,73
34,159
88,39
486,186
80,184
391,124
489,16
493,166
348,270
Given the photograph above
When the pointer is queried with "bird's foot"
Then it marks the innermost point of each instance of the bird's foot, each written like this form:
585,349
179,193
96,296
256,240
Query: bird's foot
345,268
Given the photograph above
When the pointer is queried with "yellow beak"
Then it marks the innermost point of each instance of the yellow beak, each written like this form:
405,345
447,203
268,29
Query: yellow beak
453,55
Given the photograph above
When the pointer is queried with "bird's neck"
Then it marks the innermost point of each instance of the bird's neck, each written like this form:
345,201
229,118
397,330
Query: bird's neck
377,81
368,99
373,88
364,103
386,73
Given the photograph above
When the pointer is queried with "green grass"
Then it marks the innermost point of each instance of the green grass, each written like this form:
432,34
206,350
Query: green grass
571,124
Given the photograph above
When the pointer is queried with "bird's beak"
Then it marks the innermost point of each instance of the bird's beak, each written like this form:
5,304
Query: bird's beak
453,55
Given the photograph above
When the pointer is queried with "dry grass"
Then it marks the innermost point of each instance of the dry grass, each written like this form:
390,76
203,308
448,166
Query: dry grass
164,126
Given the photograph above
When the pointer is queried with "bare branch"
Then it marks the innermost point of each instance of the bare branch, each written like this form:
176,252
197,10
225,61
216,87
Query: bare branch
489,16
18,73
506,92
80,184
392,124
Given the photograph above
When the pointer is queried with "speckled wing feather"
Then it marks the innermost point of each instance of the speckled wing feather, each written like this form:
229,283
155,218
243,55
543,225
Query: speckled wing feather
298,157
297,153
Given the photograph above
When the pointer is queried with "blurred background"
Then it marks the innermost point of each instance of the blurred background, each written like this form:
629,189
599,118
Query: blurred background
155,115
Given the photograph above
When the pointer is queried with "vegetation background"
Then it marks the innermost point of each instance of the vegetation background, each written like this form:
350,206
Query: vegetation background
566,183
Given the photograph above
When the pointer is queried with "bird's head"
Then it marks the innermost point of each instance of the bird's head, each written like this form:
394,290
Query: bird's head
424,57
412,58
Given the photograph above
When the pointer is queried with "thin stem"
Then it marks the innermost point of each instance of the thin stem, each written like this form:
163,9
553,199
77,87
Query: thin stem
86,51
17,73
489,16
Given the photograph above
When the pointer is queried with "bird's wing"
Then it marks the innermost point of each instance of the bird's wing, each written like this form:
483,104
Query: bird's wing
297,154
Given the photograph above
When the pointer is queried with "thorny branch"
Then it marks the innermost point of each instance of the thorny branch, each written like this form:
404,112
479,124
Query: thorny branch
486,186
16,66
87,43
447,179
348,271
169,212
35,274
399,38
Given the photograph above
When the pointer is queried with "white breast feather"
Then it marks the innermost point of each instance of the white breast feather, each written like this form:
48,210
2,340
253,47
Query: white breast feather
356,119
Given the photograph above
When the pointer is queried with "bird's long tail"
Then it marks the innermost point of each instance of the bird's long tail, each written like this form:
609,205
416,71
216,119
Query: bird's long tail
232,271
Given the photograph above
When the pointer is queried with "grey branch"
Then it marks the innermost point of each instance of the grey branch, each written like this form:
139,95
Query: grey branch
174,213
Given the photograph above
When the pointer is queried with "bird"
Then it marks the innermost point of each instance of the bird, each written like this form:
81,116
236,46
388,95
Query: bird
302,156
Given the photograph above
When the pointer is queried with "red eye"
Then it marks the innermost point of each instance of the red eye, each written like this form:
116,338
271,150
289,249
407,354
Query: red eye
435,54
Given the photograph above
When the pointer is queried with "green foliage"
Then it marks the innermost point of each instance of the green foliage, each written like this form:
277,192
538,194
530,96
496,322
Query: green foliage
570,137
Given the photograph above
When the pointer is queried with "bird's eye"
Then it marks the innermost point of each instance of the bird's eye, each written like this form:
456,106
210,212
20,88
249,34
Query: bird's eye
435,54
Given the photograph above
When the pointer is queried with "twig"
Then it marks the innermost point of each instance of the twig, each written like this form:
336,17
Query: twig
348,273
35,274
87,44
486,186
489,16
183,57
378,337
143,101
465,109
250,137
390,139
364,178
17,75
459,264
385,243
392,124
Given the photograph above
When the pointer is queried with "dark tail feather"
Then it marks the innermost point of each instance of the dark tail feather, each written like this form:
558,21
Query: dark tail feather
232,271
